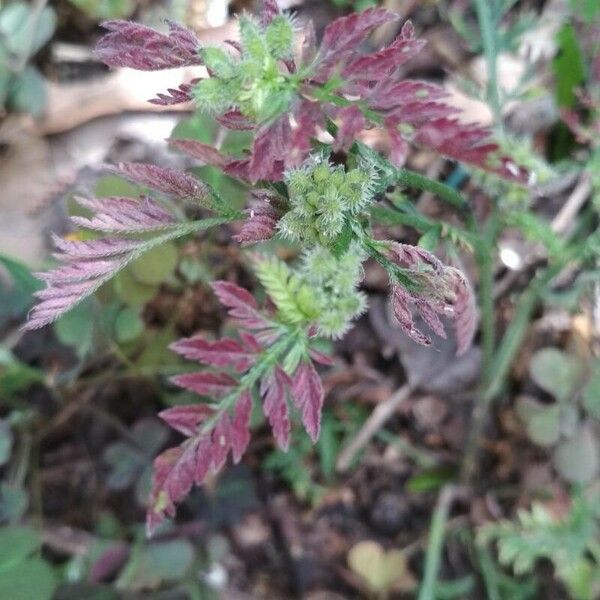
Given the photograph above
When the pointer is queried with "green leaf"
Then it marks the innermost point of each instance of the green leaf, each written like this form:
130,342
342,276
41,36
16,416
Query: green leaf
576,459
15,376
13,503
556,372
113,185
430,239
6,441
31,579
129,325
29,92
591,393
100,10
16,544
156,265
76,328
431,479
568,67
24,32
153,564
543,428
131,291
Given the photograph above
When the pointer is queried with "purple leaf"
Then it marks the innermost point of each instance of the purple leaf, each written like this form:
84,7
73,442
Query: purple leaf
179,95
56,300
241,304
408,256
388,94
320,357
308,395
465,311
269,150
139,47
174,473
81,270
376,66
206,384
93,248
170,181
401,304
186,418
352,122
307,116
240,426
260,224
343,36
235,121
124,215
269,10
225,352
211,156
273,391
429,314
177,469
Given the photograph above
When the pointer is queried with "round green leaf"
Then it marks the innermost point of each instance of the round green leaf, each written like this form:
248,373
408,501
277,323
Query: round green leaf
156,265
76,328
129,325
131,291
556,372
591,394
543,428
576,459
32,579
16,544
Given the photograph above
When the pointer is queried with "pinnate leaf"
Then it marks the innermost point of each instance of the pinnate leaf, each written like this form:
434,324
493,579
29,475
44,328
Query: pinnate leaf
308,395
139,47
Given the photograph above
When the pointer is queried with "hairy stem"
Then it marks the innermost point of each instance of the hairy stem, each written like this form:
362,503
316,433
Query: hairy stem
488,35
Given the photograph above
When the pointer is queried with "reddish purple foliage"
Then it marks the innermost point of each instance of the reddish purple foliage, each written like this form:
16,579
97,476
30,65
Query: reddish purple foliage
308,395
343,36
235,121
412,112
465,311
211,156
173,182
179,95
225,352
260,224
215,432
447,293
270,10
123,215
139,47
273,390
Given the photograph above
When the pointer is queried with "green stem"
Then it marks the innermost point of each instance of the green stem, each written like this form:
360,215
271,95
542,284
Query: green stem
435,545
483,254
264,363
500,366
488,34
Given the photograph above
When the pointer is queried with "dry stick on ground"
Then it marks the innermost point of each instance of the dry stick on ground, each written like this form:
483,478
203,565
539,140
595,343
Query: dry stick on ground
372,425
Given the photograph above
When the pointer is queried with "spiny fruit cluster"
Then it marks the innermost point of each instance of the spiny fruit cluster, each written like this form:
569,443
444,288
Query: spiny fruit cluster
251,77
323,199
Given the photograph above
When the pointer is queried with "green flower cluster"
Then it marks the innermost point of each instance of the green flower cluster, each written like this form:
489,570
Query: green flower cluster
255,82
335,283
322,197
322,291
